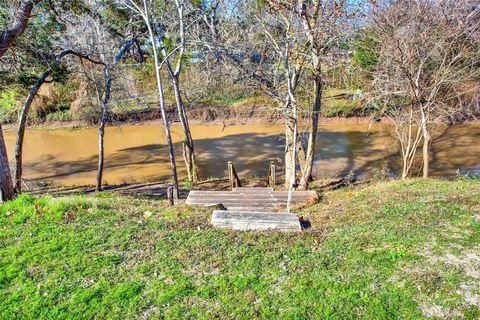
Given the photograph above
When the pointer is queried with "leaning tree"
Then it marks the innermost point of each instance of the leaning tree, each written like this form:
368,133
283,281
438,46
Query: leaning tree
21,15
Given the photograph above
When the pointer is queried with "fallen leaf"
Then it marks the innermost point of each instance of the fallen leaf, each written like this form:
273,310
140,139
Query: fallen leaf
147,214
68,217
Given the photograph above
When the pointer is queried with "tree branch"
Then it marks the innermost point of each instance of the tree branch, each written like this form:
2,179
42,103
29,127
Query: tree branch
23,14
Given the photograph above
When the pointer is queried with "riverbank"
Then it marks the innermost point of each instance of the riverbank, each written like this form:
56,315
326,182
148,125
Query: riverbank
202,118
394,249
207,116
157,189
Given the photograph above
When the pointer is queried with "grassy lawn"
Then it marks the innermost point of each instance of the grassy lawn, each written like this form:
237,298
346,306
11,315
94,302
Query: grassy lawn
390,250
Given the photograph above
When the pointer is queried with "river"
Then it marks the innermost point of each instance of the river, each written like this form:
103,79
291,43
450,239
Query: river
137,153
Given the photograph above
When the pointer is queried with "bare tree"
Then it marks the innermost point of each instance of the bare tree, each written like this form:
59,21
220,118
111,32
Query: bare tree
174,73
317,28
325,25
143,10
105,100
278,27
426,51
409,134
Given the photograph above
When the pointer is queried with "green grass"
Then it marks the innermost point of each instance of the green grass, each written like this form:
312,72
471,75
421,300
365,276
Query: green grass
390,250
342,108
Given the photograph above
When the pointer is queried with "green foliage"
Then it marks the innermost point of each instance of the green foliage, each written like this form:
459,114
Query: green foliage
116,19
198,3
225,99
188,184
9,98
341,108
365,52
374,252
59,73
143,70
90,113
168,44
60,115
66,90
9,104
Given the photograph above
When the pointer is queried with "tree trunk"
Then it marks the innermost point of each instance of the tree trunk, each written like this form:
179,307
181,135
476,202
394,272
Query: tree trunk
404,168
292,184
426,144
312,135
101,130
189,152
291,135
409,136
162,104
309,22
6,184
289,139
21,130
106,99
8,37
426,160
188,148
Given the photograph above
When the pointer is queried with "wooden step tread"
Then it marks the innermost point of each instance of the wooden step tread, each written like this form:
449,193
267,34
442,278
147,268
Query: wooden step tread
227,204
253,197
294,193
263,194
259,208
255,220
275,200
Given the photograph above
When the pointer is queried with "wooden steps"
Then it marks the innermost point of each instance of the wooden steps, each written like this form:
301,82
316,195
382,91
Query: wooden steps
251,220
250,198
254,208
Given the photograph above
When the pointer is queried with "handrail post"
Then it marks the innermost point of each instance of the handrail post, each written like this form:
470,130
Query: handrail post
238,184
272,174
233,176
230,174
170,196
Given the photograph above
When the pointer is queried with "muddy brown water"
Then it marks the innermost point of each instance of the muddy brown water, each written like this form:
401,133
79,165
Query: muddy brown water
138,153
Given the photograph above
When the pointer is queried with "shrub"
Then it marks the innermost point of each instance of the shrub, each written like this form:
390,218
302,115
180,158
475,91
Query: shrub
342,108
9,104
60,115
